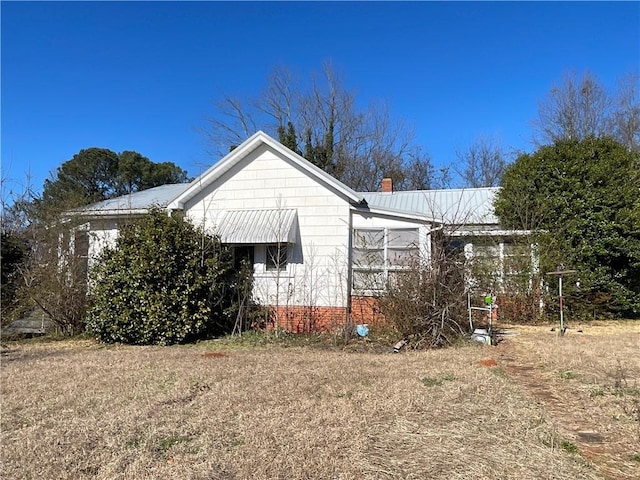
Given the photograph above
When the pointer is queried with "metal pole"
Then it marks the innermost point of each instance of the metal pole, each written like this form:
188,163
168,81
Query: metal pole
469,310
561,306
491,317
560,273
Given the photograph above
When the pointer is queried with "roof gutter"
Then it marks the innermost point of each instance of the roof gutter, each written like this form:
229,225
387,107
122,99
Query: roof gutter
106,213
492,233
388,212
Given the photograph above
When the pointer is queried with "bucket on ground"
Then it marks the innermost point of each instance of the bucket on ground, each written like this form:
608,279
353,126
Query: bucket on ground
362,330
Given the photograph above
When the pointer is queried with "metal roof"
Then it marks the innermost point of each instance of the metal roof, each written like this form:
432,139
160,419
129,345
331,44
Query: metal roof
455,206
259,226
452,206
157,196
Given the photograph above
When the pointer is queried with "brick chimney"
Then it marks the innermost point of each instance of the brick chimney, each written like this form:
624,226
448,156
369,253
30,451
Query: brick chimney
387,185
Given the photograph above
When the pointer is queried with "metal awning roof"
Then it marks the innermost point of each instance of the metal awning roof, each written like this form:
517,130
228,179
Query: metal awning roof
259,226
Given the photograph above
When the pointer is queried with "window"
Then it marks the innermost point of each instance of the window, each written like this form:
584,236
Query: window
488,251
368,248
502,262
276,257
81,250
73,252
380,254
517,262
487,262
402,246
455,247
243,256
368,280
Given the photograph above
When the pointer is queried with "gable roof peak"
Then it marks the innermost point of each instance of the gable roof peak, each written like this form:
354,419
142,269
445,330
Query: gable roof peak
249,145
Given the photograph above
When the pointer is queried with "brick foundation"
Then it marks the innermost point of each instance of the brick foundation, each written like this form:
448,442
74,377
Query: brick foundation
366,310
305,319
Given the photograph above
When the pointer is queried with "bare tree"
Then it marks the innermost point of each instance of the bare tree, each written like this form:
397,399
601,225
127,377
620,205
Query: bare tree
55,275
52,273
14,197
321,120
574,110
482,164
309,287
582,107
279,98
425,301
420,174
626,115
232,124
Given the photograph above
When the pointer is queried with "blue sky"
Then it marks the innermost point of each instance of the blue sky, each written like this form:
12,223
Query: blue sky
142,75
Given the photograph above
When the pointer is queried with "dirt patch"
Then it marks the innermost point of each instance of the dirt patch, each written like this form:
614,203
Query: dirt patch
591,437
488,362
214,355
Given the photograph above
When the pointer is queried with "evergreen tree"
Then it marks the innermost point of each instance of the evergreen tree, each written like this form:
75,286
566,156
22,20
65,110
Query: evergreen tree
585,195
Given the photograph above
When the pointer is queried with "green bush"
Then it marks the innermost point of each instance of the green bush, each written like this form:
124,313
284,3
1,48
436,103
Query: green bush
165,282
12,258
582,199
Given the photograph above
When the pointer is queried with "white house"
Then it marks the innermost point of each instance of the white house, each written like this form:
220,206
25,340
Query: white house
318,248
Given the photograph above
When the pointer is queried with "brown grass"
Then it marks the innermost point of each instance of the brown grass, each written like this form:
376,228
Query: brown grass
588,382
214,354
79,410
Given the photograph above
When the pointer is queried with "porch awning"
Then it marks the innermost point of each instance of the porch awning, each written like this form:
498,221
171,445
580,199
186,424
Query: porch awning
259,226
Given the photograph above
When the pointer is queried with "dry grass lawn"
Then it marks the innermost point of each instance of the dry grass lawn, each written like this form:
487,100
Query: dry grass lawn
588,383
80,410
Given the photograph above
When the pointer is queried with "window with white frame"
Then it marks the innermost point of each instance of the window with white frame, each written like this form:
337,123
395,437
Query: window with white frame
505,263
380,254
81,250
276,257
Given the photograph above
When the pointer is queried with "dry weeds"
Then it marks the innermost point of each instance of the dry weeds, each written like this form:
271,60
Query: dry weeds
588,382
75,410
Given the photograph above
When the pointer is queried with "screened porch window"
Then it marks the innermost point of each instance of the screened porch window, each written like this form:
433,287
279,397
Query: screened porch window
507,263
379,255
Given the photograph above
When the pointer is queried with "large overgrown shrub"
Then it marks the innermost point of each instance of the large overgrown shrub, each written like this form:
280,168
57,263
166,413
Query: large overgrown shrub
583,198
426,303
165,282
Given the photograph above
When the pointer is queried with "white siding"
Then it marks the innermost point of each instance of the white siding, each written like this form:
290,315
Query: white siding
102,234
316,273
